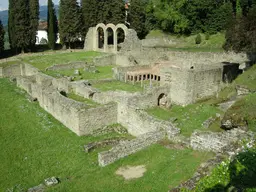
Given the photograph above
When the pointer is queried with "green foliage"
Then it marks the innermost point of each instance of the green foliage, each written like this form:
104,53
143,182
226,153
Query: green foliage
198,39
2,32
52,25
35,146
241,32
138,17
70,22
34,18
239,174
207,36
90,11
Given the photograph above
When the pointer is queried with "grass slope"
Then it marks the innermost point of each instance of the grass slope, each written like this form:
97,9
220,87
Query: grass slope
104,72
189,117
35,146
187,43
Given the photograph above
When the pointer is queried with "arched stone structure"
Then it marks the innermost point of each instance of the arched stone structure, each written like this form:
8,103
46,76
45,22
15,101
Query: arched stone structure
92,37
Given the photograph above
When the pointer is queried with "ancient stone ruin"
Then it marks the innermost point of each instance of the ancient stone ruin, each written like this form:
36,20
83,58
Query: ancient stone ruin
168,78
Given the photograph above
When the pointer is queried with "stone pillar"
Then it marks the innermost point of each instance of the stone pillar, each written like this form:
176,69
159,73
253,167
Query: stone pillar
115,40
105,46
125,77
133,82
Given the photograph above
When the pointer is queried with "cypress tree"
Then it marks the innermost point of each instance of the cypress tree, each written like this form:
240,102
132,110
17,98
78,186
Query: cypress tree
70,22
2,32
52,25
34,18
90,10
11,24
22,25
138,17
113,12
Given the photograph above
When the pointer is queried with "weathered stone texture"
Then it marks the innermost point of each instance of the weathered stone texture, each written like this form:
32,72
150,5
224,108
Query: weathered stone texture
126,148
10,71
216,142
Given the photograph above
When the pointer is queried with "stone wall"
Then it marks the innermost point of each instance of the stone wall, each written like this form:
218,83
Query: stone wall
138,122
77,116
105,59
126,148
216,142
10,71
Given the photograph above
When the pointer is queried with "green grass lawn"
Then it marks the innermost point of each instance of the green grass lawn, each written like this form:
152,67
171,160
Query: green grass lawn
35,146
187,43
89,102
117,85
189,118
43,61
104,72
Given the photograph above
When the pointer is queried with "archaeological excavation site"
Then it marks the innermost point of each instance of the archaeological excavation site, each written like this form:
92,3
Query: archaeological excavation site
144,94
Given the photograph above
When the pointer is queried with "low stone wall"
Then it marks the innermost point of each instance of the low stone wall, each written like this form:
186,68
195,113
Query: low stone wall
77,116
126,148
70,65
138,122
10,71
110,96
216,142
106,59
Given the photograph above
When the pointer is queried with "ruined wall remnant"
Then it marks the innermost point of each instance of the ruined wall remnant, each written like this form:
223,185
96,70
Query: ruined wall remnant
126,148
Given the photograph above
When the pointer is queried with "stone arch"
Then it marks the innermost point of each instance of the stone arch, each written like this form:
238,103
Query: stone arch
105,29
162,100
122,26
100,26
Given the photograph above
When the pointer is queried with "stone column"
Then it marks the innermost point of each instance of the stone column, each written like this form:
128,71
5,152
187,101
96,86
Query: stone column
115,40
105,40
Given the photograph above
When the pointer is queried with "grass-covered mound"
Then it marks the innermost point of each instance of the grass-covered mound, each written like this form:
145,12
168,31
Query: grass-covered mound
187,43
189,118
35,146
101,72
47,59
117,85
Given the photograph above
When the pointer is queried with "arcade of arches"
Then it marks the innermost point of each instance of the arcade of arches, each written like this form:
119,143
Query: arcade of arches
109,36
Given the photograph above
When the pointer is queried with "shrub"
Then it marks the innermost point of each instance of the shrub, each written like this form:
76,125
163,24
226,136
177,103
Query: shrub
198,39
207,36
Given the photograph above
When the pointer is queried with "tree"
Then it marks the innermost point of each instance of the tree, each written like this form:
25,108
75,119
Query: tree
113,12
241,33
138,17
2,32
22,24
52,25
19,27
11,24
34,18
70,22
90,9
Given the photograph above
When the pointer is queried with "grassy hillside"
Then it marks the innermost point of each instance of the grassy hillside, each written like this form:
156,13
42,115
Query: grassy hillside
35,146
187,43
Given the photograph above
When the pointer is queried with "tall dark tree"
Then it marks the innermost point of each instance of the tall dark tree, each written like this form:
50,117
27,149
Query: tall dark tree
137,17
2,32
11,23
19,27
22,24
52,25
113,12
34,18
241,33
90,10
70,22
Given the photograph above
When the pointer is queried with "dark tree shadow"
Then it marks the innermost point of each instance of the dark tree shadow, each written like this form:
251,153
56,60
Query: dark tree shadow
242,174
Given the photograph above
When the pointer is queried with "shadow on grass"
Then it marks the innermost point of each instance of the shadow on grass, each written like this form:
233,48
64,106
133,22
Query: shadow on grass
242,174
